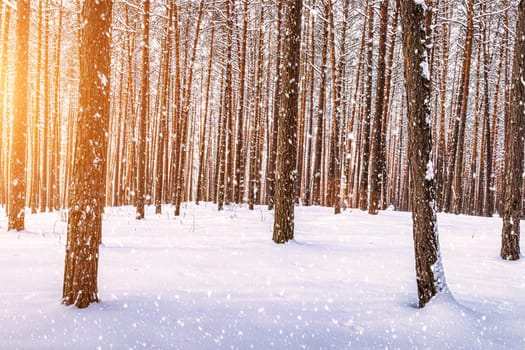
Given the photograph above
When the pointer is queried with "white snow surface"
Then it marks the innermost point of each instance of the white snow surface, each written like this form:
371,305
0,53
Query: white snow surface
215,280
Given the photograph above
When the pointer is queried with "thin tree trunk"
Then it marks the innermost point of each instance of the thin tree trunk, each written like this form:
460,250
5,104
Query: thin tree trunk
486,166
44,188
227,105
321,110
454,192
255,130
186,100
143,117
240,152
441,171
35,164
275,120
200,176
377,161
162,140
311,76
365,144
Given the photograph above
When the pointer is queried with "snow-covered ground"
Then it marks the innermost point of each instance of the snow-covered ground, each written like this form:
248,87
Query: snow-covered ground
215,280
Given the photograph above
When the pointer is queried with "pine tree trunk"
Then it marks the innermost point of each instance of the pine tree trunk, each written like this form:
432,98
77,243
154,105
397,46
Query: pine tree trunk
3,119
377,161
474,164
143,117
386,106
311,77
429,269
454,192
226,115
186,100
54,187
164,102
275,120
283,228
240,151
441,171
255,129
365,144
88,182
512,199
204,128
317,192
17,178
338,71
35,164
486,166
44,188
350,141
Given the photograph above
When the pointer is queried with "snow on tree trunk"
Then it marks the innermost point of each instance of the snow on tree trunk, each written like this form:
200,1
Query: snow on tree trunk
286,173
89,167
429,269
512,197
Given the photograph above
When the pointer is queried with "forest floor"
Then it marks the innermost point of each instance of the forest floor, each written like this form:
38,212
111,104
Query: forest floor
215,280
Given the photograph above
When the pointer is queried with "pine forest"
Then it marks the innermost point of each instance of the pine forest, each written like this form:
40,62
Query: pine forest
267,108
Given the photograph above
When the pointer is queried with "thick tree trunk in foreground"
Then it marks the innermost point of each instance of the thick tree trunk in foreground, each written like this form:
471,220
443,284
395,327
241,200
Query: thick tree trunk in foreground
510,245
17,179
429,270
89,168
287,139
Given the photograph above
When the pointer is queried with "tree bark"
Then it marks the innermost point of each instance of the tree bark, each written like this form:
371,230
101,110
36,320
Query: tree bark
204,128
365,145
3,87
272,158
512,200
317,198
377,161
17,178
227,111
143,117
240,152
88,182
429,269
283,228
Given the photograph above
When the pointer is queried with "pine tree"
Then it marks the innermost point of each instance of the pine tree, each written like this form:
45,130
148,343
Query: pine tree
512,200
143,117
3,120
377,161
286,173
17,192
89,168
429,269
365,147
